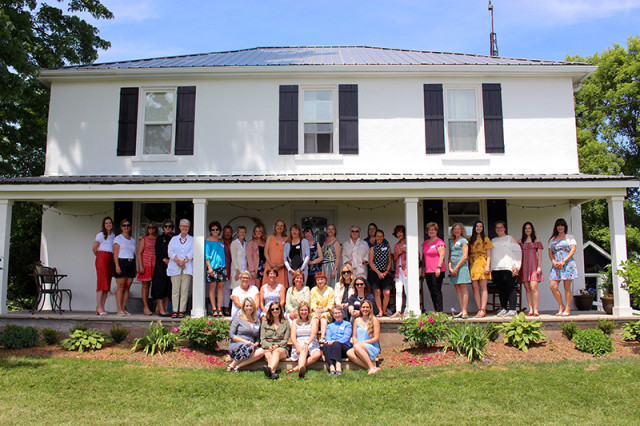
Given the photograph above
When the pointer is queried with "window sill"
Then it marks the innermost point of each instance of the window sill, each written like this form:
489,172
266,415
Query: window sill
318,157
466,157
161,158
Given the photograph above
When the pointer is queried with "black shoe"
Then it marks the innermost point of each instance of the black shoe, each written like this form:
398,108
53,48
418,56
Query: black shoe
267,371
274,376
302,372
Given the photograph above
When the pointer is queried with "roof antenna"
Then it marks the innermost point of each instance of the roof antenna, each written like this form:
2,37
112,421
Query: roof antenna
493,38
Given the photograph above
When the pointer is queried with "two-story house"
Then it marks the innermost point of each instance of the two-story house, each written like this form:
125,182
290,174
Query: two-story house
311,135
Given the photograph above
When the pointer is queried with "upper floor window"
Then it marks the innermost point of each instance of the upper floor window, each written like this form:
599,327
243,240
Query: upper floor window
462,120
159,116
318,121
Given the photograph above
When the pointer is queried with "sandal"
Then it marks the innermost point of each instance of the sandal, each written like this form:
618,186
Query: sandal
481,313
530,314
181,315
173,315
229,368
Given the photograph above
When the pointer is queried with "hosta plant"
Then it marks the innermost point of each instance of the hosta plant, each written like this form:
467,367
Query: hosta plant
631,331
83,340
521,333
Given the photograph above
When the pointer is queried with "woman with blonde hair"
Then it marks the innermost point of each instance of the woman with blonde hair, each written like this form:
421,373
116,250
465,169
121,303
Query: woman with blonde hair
305,348
322,299
274,252
296,294
332,254
459,266
255,255
366,337
344,288
245,290
244,337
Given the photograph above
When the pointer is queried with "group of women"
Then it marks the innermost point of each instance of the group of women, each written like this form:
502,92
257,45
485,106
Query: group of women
503,260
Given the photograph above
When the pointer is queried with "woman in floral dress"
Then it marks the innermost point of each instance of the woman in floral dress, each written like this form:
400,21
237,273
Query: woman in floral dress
562,247
480,254
531,271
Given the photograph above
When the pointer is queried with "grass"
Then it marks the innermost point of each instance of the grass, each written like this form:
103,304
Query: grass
56,391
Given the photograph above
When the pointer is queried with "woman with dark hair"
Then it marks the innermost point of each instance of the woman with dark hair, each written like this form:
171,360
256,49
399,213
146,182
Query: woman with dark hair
366,338
562,247
400,259
124,256
315,256
506,259
272,291
531,272
361,292
332,253
255,255
161,282
296,253
227,239
146,262
480,254
103,250
433,253
380,261
214,255
274,337
274,252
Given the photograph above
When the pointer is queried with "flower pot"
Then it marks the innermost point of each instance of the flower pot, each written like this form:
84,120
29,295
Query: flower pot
583,302
607,305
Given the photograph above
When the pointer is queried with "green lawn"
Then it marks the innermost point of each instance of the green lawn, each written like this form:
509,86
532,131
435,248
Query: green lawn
54,391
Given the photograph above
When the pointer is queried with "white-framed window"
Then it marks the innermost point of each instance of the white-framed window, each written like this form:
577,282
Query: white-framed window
158,121
462,119
319,124
465,212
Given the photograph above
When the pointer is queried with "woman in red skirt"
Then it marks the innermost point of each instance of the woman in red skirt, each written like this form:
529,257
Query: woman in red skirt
103,250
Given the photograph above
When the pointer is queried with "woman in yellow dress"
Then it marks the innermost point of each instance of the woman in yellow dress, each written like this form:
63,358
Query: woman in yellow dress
480,253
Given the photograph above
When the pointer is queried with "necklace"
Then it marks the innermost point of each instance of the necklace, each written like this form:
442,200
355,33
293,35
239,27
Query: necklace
181,241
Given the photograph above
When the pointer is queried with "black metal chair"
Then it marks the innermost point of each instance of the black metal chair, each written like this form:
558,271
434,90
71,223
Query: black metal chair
47,280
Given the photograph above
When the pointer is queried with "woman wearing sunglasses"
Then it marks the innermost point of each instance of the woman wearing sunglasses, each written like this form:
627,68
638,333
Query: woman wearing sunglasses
124,256
161,283
274,336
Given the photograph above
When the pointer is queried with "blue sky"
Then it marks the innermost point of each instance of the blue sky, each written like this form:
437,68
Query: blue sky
543,29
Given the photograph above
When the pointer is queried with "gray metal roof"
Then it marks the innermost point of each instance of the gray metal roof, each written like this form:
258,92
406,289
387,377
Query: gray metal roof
318,55
310,178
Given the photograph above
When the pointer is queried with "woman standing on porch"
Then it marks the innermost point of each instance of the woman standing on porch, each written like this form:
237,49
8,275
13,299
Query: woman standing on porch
505,263
214,255
296,253
146,261
480,267
103,250
531,272
459,266
255,255
124,256
332,252
433,252
180,268
380,261
562,247
161,282
274,252
315,257
238,257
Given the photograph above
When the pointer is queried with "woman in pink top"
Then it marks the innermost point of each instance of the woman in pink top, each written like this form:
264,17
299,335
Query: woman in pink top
433,252
146,263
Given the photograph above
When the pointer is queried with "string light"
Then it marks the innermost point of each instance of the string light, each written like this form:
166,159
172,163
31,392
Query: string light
540,207
51,209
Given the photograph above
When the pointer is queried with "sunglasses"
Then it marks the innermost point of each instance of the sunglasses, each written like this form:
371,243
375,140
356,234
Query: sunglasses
346,272
274,309
355,232
126,225
359,284
215,229
168,226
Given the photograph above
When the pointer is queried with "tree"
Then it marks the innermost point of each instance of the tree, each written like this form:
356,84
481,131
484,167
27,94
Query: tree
35,36
608,121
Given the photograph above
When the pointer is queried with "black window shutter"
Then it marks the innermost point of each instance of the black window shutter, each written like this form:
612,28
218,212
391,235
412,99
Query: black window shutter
185,118
348,118
434,212
492,106
496,210
288,138
184,210
121,210
128,121
434,118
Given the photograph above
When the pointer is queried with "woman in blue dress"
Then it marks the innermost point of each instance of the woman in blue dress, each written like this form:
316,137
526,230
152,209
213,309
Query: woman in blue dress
459,274
562,247
366,337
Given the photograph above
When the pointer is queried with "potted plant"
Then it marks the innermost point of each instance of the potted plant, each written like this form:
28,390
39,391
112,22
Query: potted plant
606,285
584,299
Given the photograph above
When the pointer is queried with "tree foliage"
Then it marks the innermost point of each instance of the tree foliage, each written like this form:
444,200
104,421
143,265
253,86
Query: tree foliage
608,121
35,35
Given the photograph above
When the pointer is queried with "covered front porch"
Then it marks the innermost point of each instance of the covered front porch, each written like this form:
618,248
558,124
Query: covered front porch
74,207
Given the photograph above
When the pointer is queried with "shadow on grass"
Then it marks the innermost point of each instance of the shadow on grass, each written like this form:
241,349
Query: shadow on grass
13,362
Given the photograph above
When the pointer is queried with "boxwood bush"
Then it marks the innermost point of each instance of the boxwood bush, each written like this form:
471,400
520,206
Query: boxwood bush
594,342
18,337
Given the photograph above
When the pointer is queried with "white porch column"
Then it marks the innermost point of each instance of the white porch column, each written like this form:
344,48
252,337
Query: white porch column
621,302
413,257
5,238
199,296
576,230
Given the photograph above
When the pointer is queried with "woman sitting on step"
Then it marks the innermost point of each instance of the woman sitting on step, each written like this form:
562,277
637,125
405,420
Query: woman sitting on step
305,348
366,337
338,341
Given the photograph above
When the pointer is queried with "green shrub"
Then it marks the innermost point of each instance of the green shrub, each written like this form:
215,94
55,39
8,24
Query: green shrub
81,327
631,331
630,273
118,334
594,342
51,336
18,337
426,329
82,340
492,331
205,332
157,340
467,339
606,326
569,329
521,333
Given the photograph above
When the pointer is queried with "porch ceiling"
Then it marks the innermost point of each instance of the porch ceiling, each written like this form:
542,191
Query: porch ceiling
315,186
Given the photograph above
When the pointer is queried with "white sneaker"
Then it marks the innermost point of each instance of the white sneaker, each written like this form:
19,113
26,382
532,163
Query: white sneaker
511,314
501,313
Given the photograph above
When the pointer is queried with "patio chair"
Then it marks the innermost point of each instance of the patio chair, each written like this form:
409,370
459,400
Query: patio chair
47,280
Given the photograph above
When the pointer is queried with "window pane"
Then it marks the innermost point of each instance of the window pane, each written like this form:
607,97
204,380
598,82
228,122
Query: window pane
318,95
153,212
463,208
461,104
318,105
463,136
159,106
318,143
310,143
157,138
324,143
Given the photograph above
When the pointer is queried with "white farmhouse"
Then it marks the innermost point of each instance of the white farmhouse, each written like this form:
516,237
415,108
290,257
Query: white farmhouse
350,135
